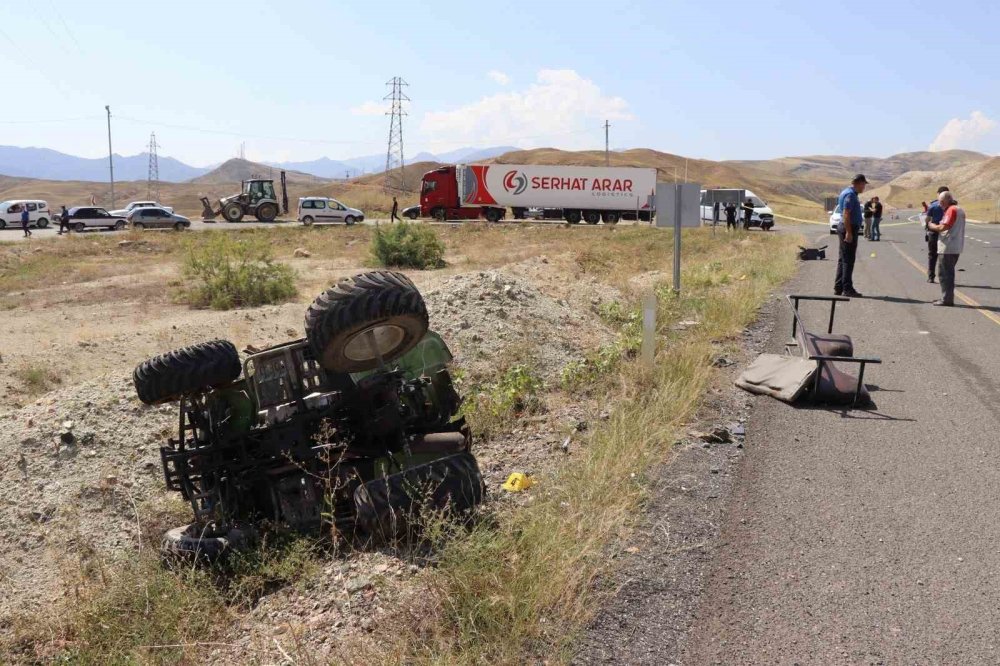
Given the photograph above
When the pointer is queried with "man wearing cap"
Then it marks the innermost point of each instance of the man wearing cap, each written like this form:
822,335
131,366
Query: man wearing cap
848,231
951,242
934,214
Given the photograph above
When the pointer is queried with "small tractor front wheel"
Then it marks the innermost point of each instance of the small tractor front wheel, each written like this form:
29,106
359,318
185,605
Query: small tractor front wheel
233,212
361,319
169,376
267,212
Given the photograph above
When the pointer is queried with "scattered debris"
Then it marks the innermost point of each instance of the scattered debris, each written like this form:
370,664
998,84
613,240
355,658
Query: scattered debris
302,253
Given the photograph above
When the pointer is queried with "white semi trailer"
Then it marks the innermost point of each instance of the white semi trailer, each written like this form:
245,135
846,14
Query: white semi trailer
590,194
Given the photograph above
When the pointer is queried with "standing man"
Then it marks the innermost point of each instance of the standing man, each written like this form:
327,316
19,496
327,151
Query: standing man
934,214
715,213
876,232
730,216
951,242
63,220
848,231
868,220
747,214
395,211
25,219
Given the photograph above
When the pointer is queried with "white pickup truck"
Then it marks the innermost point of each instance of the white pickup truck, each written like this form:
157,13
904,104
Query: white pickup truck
124,212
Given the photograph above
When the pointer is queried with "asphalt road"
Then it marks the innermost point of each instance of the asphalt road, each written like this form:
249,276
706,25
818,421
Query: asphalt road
872,537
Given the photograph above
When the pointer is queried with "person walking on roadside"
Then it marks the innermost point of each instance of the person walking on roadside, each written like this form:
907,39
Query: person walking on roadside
747,214
868,220
934,214
395,211
25,219
876,232
848,231
63,221
951,242
730,216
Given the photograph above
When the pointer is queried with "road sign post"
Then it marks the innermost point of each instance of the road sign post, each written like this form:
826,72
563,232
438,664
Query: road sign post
677,205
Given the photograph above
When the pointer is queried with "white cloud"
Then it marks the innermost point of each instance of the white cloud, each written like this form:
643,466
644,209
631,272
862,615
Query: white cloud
370,109
499,77
561,108
968,133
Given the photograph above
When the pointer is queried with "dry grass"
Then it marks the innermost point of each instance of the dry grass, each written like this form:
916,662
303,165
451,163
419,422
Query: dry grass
521,587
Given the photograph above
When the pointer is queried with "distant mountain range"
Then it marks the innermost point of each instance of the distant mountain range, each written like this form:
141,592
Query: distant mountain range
324,167
43,163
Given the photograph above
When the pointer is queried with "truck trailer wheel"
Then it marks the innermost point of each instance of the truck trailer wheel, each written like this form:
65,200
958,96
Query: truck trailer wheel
572,216
592,216
612,217
492,215
233,212
267,212
169,376
362,318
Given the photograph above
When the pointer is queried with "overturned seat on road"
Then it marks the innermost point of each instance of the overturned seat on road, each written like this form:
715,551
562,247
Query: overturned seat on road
831,384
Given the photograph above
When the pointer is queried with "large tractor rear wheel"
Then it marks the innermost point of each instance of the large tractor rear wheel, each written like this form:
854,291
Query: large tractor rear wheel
365,317
233,212
169,376
267,212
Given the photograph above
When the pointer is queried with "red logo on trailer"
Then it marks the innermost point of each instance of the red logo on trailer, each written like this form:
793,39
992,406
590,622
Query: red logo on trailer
515,182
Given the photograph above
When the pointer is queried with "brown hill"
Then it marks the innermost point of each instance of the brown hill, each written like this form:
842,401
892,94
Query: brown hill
236,170
840,169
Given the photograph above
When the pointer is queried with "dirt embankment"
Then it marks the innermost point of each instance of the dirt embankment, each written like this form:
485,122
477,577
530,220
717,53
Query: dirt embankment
80,462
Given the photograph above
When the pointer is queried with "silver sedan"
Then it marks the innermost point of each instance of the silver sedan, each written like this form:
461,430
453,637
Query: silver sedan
157,218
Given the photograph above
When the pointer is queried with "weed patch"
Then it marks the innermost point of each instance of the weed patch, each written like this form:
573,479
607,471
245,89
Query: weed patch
225,271
37,378
406,245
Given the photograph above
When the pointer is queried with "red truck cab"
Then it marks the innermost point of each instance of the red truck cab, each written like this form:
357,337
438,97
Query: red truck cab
439,196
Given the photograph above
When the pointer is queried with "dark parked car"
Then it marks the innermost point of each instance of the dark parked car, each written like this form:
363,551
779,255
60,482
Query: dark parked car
83,217
412,212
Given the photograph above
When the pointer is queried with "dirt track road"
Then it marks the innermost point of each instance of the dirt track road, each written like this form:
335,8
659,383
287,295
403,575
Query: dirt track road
853,537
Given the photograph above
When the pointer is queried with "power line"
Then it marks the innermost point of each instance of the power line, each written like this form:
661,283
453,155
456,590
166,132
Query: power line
395,178
50,120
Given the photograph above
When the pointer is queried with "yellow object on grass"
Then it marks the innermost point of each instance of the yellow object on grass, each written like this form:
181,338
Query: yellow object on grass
517,482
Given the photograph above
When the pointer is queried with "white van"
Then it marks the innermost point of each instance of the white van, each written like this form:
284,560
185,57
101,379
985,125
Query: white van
324,209
762,216
38,213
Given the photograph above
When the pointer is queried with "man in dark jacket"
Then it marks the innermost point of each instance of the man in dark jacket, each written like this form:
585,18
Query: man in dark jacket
64,221
876,233
747,213
25,220
395,211
730,216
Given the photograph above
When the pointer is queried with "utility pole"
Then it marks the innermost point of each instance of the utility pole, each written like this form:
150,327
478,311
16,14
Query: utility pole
394,163
111,162
607,151
153,178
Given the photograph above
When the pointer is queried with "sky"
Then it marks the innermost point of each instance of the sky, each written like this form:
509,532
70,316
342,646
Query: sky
301,79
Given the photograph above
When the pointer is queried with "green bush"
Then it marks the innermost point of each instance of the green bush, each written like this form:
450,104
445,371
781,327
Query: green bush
225,271
406,245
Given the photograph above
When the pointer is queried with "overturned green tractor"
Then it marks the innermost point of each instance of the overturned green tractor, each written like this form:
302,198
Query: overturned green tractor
352,427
